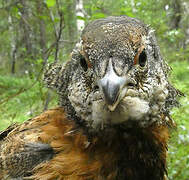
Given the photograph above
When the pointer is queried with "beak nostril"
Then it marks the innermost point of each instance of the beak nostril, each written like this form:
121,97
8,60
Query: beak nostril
96,87
130,84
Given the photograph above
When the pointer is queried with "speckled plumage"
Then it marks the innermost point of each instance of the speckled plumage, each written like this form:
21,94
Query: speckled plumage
113,122
120,39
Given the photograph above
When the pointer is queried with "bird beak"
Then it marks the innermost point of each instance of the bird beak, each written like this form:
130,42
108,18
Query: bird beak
113,87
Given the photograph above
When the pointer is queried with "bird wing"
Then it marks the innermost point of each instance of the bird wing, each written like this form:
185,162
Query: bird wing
5,132
21,148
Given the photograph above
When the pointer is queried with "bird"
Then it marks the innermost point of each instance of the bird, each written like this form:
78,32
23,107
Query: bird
113,117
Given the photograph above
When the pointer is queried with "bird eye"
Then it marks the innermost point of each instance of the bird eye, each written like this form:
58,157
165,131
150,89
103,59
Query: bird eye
83,63
142,59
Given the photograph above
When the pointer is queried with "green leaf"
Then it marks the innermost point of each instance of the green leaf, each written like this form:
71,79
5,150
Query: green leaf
50,3
98,15
81,18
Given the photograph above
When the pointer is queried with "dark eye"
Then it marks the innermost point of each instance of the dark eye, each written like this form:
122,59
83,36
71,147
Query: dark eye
142,59
83,63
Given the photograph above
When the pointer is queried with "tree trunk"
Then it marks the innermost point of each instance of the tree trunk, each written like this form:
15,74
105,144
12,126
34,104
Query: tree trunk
80,14
24,22
179,19
185,22
42,29
71,25
12,44
177,14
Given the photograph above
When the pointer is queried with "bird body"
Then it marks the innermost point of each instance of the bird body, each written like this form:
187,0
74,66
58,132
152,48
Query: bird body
113,119
57,149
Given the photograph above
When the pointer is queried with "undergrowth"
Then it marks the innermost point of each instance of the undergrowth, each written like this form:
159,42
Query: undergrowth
21,98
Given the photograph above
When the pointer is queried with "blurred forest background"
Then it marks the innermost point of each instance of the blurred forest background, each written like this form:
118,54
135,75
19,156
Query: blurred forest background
36,32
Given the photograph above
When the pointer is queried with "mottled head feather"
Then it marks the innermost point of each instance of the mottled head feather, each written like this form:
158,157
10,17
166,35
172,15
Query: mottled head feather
130,48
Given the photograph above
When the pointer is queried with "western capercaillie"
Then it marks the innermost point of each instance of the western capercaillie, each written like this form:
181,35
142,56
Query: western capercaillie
114,114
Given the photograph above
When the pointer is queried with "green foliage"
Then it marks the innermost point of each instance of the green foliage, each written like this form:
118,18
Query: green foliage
50,3
21,99
179,144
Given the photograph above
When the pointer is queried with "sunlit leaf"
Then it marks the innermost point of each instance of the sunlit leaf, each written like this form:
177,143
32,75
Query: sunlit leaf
50,3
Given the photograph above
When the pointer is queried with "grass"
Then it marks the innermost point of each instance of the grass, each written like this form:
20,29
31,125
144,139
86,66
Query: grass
178,161
20,99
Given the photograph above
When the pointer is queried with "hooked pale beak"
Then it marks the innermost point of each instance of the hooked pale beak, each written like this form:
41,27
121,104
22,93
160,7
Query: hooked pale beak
113,87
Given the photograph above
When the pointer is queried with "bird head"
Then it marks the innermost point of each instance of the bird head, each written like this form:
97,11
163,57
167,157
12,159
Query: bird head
116,76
